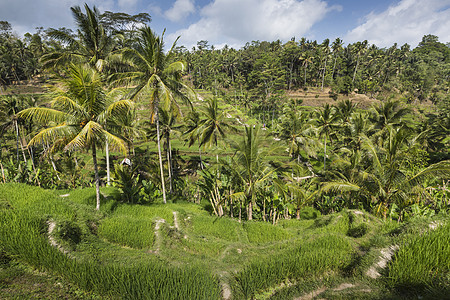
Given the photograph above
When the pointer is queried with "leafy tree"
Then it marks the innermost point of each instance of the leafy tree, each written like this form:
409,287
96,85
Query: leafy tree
79,110
91,43
153,75
250,167
379,175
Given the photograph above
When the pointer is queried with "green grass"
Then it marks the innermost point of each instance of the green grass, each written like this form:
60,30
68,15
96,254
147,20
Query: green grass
128,231
325,254
114,252
423,263
220,228
259,232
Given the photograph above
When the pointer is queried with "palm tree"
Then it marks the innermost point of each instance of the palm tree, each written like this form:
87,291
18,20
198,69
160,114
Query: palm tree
91,44
337,48
213,125
167,122
379,176
324,50
154,76
298,132
386,114
326,122
250,167
78,114
359,49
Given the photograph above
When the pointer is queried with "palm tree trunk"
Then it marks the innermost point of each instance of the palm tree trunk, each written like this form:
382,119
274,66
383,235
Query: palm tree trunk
3,173
169,164
159,152
356,68
108,174
334,67
17,140
323,74
50,156
97,179
325,152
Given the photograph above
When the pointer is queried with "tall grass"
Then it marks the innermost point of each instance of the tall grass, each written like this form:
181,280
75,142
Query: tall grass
151,212
324,254
423,263
221,228
263,232
128,231
22,234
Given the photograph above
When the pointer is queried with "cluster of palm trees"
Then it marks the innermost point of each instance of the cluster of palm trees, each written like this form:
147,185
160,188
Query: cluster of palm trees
89,100
260,69
374,159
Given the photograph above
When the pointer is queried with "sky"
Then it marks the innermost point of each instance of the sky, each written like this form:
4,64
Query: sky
235,22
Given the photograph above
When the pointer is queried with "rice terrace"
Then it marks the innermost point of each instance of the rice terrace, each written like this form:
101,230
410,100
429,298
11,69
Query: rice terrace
134,168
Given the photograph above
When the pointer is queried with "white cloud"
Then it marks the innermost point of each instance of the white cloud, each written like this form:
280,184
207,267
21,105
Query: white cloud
238,21
406,22
25,15
180,10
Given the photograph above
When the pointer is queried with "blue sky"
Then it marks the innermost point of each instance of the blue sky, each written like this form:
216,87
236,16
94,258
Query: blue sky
235,22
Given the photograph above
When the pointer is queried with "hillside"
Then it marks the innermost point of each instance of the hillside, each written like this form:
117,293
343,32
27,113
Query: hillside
179,251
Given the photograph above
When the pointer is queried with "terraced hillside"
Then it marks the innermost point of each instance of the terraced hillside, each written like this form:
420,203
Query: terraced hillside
179,251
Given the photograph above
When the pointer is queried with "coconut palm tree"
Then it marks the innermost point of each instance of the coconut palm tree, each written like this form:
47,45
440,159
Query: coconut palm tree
91,44
76,119
250,167
213,125
153,75
326,123
378,174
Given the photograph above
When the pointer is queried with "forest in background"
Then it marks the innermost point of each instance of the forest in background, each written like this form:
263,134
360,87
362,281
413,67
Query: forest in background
229,124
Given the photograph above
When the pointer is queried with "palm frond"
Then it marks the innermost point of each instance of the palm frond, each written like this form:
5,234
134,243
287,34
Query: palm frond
42,115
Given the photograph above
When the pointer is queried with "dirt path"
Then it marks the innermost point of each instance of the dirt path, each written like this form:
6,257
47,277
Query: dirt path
51,239
158,235
312,294
386,255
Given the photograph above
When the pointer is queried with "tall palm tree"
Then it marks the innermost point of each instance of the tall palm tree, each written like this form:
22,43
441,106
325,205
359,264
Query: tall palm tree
250,166
78,114
337,48
326,123
91,44
153,75
213,125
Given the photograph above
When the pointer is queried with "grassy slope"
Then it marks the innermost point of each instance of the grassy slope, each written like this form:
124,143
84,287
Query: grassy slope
328,256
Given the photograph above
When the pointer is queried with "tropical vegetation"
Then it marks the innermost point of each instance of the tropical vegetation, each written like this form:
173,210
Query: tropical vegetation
305,157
